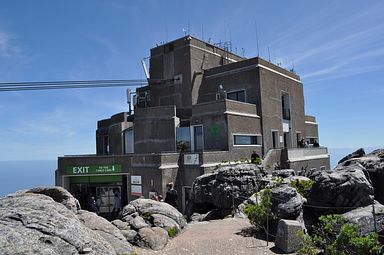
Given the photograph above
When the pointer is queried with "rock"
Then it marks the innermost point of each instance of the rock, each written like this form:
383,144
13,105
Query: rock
165,222
154,238
363,217
107,230
128,209
225,188
149,207
357,154
138,223
373,164
283,173
36,224
287,238
287,203
341,190
120,224
129,234
60,195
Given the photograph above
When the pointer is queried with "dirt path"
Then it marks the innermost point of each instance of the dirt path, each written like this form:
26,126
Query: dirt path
227,237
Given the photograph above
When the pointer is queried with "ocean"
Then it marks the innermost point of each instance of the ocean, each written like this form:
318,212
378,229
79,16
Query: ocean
18,175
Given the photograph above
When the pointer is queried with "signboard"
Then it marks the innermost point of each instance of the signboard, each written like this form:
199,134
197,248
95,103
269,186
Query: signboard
136,190
191,159
95,169
135,179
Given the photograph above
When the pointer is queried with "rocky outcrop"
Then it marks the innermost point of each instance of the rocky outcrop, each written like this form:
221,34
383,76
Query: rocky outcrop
373,165
36,224
149,221
357,154
107,230
60,195
286,203
363,217
340,191
225,188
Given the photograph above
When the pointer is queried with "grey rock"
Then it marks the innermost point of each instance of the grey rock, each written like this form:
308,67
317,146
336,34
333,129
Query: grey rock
283,173
129,234
58,194
36,224
165,222
128,209
373,165
340,190
107,230
150,207
120,224
154,238
363,217
287,238
287,203
356,154
227,187
138,223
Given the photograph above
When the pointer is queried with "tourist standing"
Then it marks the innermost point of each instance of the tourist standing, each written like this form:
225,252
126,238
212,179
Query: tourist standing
171,196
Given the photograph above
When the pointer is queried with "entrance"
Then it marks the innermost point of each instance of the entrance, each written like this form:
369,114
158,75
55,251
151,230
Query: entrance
275,139
106,198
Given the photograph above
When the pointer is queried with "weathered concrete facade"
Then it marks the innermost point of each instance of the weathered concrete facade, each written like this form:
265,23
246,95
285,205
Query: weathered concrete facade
202,105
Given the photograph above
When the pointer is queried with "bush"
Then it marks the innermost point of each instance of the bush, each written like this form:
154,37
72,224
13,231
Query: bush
173,231
302,186
258,214
334,236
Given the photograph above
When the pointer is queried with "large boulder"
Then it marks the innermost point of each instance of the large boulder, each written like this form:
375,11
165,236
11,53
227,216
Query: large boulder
287,203
149,207
36,224
373,164
363,217
154,238
225,188
340,191
356,154
106,229
58,194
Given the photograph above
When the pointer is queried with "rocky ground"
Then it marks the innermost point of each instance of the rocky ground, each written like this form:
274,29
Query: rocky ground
229,236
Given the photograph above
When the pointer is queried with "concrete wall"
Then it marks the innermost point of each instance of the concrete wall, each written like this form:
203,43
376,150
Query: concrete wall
311,127
155,129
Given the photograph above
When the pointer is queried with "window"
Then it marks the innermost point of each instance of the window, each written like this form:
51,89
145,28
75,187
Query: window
198,139
247,140
128,140
183,139
311,140
237,95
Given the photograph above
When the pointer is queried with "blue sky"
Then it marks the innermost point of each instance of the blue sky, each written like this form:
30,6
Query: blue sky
337,47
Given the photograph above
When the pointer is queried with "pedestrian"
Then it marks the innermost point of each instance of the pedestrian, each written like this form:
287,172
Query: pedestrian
171,196
92,205
255,158
117,201
316,144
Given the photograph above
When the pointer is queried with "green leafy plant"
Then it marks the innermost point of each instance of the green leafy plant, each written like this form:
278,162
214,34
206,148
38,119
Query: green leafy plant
260,213
173,231
302,186
335,236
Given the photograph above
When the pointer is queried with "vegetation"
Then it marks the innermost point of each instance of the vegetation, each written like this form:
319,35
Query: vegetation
259,214
334,236
302,186
173,231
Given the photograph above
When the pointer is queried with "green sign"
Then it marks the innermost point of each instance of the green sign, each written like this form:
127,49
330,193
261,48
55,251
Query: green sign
105,169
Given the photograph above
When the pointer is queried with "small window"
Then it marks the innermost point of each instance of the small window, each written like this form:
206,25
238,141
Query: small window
247,140
237,95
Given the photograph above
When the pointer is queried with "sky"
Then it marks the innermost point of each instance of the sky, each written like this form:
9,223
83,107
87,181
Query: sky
337,48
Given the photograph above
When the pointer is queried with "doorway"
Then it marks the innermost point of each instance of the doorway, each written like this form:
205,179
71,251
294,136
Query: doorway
275,139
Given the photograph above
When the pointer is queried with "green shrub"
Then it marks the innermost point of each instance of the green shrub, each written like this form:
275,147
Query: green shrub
173,231
334,236
258,214
302,186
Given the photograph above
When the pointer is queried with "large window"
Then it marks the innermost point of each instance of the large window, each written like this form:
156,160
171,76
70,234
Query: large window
237,95
247,140
128,141
183,139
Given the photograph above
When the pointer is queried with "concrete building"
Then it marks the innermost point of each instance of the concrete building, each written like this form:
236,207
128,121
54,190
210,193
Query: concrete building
203,105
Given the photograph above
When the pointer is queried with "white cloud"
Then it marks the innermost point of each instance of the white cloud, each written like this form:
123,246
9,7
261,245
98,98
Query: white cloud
7,48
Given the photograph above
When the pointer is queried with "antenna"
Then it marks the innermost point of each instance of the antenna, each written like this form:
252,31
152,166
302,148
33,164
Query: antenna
202,32
188,28
129,101
185,32
269,55
257,40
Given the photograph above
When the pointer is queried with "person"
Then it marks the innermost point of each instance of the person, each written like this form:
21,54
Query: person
92,205
255,158
302,143
316,144
171,196
117,201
